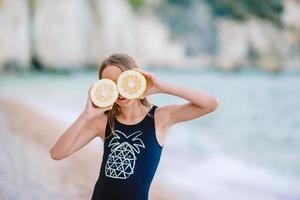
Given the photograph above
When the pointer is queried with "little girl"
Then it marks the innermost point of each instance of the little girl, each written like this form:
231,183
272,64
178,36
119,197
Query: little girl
132,130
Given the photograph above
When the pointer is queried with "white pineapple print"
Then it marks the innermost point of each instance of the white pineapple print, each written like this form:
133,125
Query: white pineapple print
121,161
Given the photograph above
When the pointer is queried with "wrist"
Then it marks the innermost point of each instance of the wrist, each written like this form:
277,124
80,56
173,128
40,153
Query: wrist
84,114
164,88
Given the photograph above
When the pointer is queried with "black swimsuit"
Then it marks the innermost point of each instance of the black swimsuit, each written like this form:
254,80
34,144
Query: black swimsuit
130,159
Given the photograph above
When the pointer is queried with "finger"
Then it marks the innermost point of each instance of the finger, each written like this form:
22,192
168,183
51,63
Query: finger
88,98
90,88
143,96
108,107
142,71
91,104
89,93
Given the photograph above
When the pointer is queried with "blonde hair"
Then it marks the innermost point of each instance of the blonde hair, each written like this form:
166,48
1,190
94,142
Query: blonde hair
124,62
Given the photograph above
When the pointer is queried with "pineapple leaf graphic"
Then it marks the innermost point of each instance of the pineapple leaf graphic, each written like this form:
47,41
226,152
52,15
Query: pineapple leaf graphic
121,161
114,141
138,142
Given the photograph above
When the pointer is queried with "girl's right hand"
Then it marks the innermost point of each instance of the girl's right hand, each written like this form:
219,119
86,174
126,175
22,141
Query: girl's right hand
91,110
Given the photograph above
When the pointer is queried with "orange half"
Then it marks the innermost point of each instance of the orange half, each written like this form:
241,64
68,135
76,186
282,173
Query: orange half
104,92
131,84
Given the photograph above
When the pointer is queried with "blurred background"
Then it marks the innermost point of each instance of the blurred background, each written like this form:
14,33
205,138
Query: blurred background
245,52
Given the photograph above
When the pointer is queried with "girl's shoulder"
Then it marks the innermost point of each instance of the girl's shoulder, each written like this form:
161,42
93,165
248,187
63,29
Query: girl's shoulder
162,123
162,116
99,123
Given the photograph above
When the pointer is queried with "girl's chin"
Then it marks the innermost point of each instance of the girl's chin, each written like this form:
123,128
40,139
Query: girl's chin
124,102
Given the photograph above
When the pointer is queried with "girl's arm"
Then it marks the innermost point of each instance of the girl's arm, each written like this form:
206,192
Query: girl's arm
75,137
200,102
81,132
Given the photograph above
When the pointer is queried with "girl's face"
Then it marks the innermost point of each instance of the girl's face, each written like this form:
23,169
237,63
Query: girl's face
113,72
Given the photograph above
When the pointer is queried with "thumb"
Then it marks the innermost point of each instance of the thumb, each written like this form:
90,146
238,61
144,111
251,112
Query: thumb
108,107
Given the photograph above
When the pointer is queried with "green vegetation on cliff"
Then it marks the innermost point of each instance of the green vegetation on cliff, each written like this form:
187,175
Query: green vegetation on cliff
236,9
243,9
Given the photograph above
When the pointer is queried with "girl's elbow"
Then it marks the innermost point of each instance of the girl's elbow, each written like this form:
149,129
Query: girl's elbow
214,104
54,155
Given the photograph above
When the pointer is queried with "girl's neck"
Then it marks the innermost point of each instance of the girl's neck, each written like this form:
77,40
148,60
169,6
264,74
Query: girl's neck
133,112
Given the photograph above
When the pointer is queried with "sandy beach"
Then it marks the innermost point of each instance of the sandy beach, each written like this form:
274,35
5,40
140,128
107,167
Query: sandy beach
28,172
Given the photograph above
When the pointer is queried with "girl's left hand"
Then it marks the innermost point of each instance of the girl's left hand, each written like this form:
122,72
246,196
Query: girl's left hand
154,85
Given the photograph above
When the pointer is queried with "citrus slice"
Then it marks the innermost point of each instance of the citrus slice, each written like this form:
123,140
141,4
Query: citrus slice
131,84
104,92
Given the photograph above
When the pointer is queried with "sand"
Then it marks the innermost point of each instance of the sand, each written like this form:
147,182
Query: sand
27,170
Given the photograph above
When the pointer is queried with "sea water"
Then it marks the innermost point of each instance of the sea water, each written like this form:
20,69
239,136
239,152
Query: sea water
247,149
